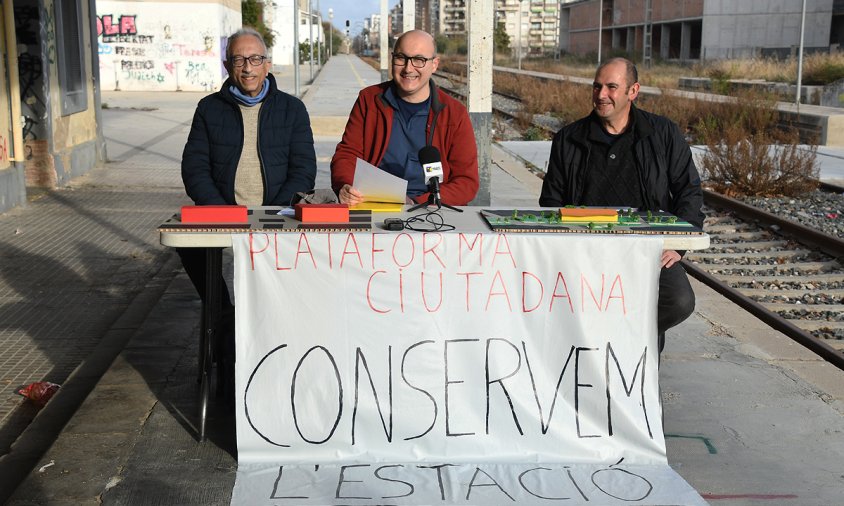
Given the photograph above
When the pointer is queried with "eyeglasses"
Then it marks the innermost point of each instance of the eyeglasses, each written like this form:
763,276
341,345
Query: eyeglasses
254,60
417,61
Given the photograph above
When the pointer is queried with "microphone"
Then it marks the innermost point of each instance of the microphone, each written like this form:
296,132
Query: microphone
432,167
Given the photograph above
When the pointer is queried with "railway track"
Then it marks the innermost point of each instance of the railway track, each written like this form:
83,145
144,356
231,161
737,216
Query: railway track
503,104
788,275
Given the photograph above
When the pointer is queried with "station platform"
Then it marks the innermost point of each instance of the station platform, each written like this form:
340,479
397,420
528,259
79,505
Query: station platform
750,416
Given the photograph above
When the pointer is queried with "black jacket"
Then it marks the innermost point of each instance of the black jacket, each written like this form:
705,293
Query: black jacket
662,157
215,142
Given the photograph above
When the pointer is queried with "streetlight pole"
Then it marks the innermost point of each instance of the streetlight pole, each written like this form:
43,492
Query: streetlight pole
296,47
519,54
800,56
600,27
330,32
383,42
311,38
321,33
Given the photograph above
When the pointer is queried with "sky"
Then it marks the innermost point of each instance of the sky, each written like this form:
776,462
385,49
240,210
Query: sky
353,10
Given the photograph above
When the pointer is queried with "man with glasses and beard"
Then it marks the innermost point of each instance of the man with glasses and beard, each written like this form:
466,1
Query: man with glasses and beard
390,122
249,144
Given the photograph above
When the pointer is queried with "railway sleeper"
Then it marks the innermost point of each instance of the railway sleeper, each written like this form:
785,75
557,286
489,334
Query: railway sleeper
792,254
747,245
778,269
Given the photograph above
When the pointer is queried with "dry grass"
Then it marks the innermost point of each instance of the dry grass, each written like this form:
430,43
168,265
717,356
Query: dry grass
817,69
658,76
563,99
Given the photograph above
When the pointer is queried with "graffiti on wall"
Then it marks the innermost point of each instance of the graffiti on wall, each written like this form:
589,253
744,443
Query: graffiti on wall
107,27
28,28
50,35
147,47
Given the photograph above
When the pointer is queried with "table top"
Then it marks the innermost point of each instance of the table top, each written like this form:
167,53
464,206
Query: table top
485,219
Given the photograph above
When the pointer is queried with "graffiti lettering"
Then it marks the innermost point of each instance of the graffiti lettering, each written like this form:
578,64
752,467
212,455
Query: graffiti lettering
106,26
128,39
130,51
143,76
137,65
4,149
49,26
185,51
198,73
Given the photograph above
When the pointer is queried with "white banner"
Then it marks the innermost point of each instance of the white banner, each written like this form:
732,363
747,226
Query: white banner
501,362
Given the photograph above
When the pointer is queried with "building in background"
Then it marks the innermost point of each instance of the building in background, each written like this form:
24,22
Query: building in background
689,30
531,24
50,126
282,25
427,15
452,18
396,20
374,27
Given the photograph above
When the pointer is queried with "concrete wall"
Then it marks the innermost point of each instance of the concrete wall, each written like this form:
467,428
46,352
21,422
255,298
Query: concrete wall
664,10
734,29
161,45
72,138
625,12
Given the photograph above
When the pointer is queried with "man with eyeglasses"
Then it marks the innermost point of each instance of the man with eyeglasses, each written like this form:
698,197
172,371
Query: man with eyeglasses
391,121
249,144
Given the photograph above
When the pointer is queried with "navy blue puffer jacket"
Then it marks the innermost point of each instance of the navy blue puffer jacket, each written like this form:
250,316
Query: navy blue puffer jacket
215,142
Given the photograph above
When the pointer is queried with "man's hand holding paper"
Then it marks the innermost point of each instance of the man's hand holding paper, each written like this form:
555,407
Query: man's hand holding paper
373,188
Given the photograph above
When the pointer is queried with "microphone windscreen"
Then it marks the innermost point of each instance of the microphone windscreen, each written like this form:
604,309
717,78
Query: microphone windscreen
429,154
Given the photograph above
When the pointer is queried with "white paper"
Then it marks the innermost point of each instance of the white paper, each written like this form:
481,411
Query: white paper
378,185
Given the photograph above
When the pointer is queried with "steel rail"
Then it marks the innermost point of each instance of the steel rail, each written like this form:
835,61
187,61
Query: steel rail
830,187
825,242
829,244
769,317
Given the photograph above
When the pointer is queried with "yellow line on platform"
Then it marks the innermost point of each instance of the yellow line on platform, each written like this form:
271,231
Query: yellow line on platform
355,72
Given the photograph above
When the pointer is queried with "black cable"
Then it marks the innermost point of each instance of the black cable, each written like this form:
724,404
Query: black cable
429,221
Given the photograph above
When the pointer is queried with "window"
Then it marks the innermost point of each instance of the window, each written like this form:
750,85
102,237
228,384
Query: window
70,56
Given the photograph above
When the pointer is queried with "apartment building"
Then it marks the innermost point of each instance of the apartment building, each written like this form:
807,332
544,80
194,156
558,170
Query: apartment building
452,17
531,24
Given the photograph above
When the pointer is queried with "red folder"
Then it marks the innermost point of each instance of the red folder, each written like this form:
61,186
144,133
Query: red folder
214,214
322,213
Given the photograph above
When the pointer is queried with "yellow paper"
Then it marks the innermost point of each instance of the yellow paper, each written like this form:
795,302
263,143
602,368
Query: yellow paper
588,219
378,207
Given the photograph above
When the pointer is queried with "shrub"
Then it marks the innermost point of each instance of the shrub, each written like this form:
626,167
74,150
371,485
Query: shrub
534,133
823,74
748,154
